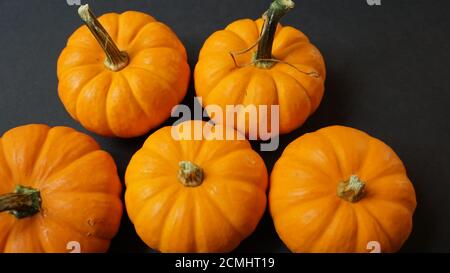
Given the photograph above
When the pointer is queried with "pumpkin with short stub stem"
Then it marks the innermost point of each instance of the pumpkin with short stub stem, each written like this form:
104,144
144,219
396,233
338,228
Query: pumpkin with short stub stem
124,78
57,190
341,190
195,194
284,68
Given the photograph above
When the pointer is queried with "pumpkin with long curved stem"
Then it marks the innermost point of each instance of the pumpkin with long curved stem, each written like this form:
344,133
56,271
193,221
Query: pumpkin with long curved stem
195,194
283,68
121,75
57,188
341,190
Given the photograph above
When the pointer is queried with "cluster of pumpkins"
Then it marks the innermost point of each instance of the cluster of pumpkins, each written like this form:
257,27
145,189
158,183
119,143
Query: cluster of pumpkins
334,190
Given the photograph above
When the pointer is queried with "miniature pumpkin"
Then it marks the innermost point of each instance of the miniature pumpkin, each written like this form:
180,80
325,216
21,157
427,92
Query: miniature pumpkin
187,194
285,69
341,190
59,189
123,78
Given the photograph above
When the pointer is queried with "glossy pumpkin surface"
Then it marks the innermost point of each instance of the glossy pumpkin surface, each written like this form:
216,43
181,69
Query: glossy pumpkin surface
129,100
295,81
76,185
338,190
186,195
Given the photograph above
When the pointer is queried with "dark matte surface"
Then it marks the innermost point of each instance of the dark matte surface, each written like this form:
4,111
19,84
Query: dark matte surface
387,75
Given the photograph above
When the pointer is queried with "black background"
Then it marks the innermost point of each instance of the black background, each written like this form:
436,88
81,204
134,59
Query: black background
388,74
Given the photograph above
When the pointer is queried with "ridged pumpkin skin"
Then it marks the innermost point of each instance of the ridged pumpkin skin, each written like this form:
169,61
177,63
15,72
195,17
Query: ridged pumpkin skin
212,217
309,216
131,101
218,80
78,184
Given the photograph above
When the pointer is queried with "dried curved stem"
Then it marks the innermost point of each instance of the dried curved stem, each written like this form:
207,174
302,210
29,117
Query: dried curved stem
263,57
23,202
115,59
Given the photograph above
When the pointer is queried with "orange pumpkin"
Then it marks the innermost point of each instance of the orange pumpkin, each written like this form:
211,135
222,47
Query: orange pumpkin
285,69
187,195
341,190
123,78
59,189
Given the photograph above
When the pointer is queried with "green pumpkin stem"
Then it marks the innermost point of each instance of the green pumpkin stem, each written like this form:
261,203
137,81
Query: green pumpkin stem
263,57
115,59
23,202
352,190
189,174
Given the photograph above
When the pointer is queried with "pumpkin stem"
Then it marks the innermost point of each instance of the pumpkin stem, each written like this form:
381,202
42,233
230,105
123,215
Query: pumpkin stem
190,174
351,190
263,57
23,202
115,59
